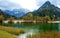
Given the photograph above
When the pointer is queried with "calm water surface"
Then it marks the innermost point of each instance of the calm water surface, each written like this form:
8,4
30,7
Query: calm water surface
31,28
39,26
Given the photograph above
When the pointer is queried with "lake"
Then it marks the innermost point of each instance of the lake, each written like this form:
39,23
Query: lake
39,26
31,28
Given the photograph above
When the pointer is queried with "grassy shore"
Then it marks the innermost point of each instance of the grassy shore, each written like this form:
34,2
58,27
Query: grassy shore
4,34
15,31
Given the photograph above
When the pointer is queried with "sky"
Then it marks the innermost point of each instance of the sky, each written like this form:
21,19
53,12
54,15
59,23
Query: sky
26,4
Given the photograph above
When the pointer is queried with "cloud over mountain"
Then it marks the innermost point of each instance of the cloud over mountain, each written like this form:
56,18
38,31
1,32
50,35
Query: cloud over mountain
5,4
55,2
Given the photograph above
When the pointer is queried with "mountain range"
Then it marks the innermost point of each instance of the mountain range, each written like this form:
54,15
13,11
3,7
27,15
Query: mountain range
16,12
47,9
5,15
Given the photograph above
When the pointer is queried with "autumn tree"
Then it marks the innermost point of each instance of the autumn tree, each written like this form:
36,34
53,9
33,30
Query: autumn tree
11,19
37,18
1,18
46,18
28,17
25,18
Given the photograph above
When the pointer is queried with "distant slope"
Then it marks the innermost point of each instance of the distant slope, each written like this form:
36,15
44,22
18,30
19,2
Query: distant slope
17,12
6,16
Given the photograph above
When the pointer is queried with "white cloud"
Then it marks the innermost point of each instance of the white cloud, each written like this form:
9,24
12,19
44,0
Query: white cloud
8,5
58,6
27,4
54,2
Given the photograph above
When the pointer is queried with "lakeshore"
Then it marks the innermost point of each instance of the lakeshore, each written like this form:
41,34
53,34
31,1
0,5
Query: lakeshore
32,21
41,30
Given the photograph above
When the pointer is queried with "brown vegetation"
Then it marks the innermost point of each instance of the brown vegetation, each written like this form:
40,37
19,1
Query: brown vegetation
52,34
11,20
1,19
11,30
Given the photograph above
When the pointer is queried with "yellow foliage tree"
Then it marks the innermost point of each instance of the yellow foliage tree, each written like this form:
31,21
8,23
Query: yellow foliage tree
25,18
37,18
1,18
11,19
46,18
28,17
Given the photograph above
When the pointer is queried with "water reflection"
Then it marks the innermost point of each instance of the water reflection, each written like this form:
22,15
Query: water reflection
31,29
30,32
39,27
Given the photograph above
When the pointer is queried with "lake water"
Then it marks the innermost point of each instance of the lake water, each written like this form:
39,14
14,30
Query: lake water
31,28
39,26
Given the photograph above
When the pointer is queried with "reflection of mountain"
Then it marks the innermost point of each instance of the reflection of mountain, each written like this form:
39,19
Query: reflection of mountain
47,9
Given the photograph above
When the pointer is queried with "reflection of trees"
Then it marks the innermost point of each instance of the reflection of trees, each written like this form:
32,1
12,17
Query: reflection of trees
49,27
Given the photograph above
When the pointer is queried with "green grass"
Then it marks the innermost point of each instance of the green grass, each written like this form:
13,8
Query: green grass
4,34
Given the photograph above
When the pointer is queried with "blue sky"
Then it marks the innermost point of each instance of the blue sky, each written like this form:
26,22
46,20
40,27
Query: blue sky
26,4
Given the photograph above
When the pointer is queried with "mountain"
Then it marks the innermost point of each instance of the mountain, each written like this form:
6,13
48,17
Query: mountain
46,5
47,9
16,12
4,14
